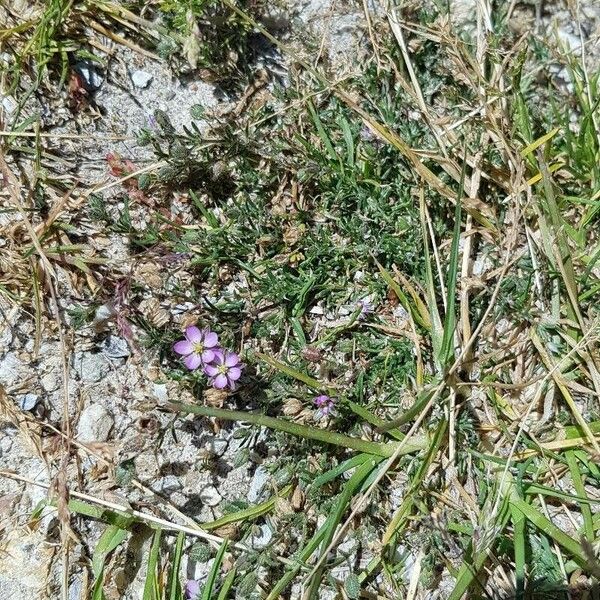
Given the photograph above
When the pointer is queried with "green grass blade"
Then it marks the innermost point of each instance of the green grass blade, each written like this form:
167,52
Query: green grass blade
214,572
112,537
519,525
332,474
249,513
447,349
227,585
351,488
301,558
586,511
323,134
369,417
547,527
280,366
174,585
151,585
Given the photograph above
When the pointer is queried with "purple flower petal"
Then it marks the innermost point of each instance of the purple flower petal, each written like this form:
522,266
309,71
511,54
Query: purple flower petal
193,361
231,359
208,356
210,339
192,589
219,356
220,381
232,385
183,347
234,373
193,334
211,370
321,400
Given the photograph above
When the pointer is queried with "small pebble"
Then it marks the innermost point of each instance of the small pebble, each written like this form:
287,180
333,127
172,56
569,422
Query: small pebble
170,483
115,347
258,483
9,104
141,79
261,538
210,496
28,401
95,424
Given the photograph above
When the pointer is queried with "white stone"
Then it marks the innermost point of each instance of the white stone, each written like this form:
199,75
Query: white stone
49,381
210,496
160,392
95,424
28,401
9,104
91,368
115,347
219,446
141,79
9,369
170,483
260,479
261,538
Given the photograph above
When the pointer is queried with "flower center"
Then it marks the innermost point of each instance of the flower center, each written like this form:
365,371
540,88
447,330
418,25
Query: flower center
223,369
198,347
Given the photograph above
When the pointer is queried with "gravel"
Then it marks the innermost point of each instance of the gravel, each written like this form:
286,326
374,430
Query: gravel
95,424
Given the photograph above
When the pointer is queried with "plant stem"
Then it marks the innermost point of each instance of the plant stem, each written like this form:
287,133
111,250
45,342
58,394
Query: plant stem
322,435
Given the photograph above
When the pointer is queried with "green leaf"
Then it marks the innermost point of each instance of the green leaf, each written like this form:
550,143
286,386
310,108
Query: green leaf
112,537
352,586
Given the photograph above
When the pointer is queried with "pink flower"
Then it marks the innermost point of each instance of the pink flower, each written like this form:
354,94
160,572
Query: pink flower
325,406
199,347
224,370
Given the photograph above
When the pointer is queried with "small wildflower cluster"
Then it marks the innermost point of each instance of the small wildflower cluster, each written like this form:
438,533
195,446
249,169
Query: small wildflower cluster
325,406
201,349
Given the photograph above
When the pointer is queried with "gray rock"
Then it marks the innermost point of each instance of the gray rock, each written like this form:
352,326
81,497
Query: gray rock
210,496
91,368
258,483
261,538
9,369
9,104
141,79
115,347
170,483
75,589
95,424
28,401
160,392
49,381
219,446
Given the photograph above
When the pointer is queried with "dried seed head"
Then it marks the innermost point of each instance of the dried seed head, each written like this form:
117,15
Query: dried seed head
154,312
230,531
283,507
298,498
312,354
215,397
292,407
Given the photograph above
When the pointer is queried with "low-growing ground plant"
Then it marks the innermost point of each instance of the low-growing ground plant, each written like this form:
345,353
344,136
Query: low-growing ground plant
396,276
